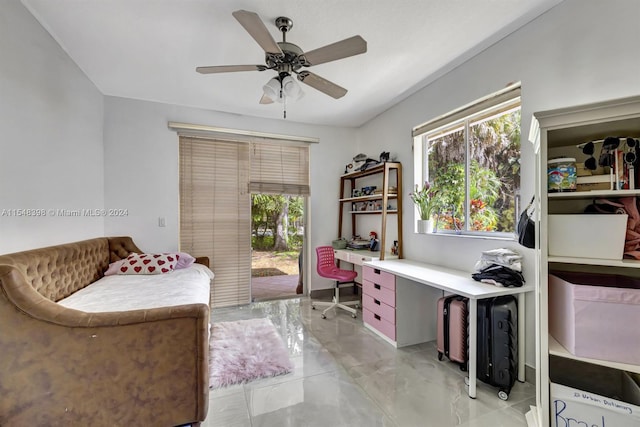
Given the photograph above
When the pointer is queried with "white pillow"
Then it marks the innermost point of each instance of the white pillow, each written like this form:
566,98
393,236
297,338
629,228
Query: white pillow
148,264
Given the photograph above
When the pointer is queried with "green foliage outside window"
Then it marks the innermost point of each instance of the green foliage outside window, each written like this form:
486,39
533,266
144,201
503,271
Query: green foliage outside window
276,222
484,187
494,174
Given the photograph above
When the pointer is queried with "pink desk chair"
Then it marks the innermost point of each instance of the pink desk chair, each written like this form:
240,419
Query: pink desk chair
326,267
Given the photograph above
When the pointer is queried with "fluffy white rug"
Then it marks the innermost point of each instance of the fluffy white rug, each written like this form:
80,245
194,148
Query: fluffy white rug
245,350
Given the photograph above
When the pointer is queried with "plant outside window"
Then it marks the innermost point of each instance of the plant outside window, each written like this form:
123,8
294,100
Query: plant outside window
487,200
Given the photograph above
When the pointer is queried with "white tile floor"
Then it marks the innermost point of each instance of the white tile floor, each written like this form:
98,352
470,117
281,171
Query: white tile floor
347,376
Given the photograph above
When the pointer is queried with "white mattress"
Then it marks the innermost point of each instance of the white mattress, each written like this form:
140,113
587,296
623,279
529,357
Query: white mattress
134,292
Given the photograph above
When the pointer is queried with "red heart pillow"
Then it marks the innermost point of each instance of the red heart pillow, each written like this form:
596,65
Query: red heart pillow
148,263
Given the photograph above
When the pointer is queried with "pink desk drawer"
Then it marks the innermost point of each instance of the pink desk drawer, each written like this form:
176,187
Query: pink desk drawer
385,311
376,321
386,295
380,277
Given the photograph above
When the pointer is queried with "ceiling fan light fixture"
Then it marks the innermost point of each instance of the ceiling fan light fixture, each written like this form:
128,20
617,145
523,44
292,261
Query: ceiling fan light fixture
265,100
272,89
291,88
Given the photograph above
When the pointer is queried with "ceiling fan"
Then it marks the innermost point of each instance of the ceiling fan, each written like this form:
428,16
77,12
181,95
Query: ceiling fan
286,58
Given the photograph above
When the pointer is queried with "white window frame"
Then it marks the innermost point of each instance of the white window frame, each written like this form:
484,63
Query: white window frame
506,99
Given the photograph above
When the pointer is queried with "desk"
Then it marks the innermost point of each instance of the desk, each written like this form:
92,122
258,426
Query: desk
460,283
357,257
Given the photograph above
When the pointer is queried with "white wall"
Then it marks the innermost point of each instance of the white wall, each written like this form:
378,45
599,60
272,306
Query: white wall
581,51
141,169
54,155
52,150
51,146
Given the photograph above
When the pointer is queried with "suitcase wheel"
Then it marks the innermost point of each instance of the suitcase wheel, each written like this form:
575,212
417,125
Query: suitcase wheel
439,355
503,395
463,367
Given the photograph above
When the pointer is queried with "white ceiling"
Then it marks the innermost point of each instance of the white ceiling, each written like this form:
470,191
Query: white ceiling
149,49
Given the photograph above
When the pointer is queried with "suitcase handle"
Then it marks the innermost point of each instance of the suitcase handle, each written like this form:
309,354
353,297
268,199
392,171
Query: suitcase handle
445,322
376,301
375,285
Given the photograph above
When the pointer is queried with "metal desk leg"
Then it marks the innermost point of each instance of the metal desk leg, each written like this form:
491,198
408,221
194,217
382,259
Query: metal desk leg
473,345
521,336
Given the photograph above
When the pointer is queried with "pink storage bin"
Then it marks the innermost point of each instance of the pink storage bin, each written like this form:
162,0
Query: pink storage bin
596,315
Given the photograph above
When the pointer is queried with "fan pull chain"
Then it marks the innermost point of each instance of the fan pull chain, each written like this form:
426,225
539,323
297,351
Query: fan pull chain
284,103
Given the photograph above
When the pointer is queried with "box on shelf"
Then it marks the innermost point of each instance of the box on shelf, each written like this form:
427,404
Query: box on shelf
581,170
597,379
596,315
631,387
594,182
587,236
575,407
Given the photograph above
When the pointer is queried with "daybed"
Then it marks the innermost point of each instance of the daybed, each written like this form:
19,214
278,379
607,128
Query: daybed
64,366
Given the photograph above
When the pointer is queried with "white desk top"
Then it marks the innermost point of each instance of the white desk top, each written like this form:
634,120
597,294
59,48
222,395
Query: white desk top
366,253
456,281
361,252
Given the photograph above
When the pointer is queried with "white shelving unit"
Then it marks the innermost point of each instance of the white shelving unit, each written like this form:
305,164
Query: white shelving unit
593,194
557,133
557,349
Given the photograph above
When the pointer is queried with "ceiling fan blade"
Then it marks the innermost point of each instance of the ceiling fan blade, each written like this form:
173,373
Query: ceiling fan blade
321,84
256,29
229,68
343,49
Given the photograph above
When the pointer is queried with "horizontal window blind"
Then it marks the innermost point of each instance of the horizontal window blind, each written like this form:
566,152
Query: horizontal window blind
279,169
215,210
509,96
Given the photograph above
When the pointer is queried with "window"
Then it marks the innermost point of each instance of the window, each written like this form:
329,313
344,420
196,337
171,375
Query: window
471,156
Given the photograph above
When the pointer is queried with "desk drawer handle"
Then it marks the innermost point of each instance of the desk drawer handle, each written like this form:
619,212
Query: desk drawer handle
377,317
376,301
376,270
375,285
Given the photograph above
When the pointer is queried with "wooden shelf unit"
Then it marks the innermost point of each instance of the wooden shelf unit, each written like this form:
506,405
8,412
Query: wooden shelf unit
348,183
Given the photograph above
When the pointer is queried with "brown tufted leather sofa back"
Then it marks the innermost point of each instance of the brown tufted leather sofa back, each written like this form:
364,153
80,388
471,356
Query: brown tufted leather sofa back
60,366
56,272
121,247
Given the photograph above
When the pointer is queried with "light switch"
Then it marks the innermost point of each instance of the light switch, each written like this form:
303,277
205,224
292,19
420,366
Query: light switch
161,222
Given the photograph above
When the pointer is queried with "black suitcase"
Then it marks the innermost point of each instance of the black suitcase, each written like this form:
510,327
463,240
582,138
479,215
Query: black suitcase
497,357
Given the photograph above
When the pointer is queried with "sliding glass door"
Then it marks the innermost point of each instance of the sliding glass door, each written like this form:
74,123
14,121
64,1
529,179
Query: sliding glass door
217,178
